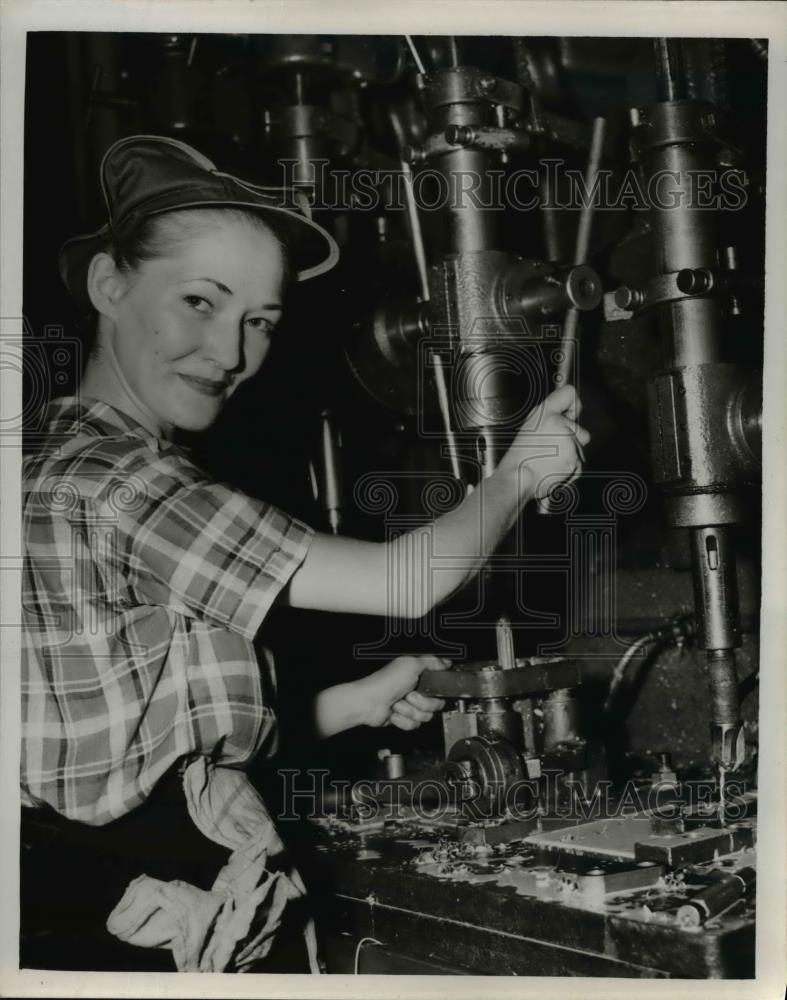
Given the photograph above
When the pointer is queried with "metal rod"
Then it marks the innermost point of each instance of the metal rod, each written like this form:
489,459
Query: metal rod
416,57
419,251
415,232
326,472
669,61
413,220
445,412
581,250
582,246
568,340
549,220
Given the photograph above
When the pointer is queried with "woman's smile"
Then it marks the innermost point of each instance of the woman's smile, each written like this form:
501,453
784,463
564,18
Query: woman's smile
206,386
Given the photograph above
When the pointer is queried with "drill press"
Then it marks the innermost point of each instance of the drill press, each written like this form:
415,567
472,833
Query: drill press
704,411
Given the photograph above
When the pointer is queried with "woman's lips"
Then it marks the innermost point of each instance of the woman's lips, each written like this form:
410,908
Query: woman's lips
207,386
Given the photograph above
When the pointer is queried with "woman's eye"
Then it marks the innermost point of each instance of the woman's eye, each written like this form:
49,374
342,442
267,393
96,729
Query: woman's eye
198,303
260,323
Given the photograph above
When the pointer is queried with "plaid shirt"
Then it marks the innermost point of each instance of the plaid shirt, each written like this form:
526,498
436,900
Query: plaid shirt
144,585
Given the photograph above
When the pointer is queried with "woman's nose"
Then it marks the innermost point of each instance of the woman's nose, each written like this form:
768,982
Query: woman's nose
224,346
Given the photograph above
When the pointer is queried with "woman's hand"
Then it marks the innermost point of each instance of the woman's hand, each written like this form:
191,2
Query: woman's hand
390,697
549,446
386,697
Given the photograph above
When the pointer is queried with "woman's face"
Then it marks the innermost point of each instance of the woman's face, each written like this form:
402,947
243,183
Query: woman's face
191,326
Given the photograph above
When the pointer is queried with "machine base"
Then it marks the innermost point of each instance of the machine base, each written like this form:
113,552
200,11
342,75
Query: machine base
550,903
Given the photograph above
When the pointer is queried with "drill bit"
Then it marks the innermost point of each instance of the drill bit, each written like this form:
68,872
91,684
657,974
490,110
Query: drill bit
727,740
722,803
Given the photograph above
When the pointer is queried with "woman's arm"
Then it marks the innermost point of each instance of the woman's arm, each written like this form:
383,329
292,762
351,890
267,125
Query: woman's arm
408,576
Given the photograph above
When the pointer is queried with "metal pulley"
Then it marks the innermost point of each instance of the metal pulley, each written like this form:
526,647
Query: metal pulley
484,768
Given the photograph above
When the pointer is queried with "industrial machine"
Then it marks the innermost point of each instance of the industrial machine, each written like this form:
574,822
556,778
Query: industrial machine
514,214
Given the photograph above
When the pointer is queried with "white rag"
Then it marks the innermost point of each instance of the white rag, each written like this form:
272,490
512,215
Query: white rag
233,925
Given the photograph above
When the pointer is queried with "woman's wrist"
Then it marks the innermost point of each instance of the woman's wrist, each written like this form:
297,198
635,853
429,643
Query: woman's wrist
515,480
340,707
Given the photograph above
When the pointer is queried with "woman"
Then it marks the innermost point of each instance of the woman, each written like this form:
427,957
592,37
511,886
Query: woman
146,582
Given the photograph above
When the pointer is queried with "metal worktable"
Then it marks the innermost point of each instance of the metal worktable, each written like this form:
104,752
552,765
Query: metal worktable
499,914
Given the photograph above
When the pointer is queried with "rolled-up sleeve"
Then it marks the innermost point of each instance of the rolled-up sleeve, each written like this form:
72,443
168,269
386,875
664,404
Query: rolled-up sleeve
203,548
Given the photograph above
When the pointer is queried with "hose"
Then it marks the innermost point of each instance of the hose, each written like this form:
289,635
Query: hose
675,631
361,943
